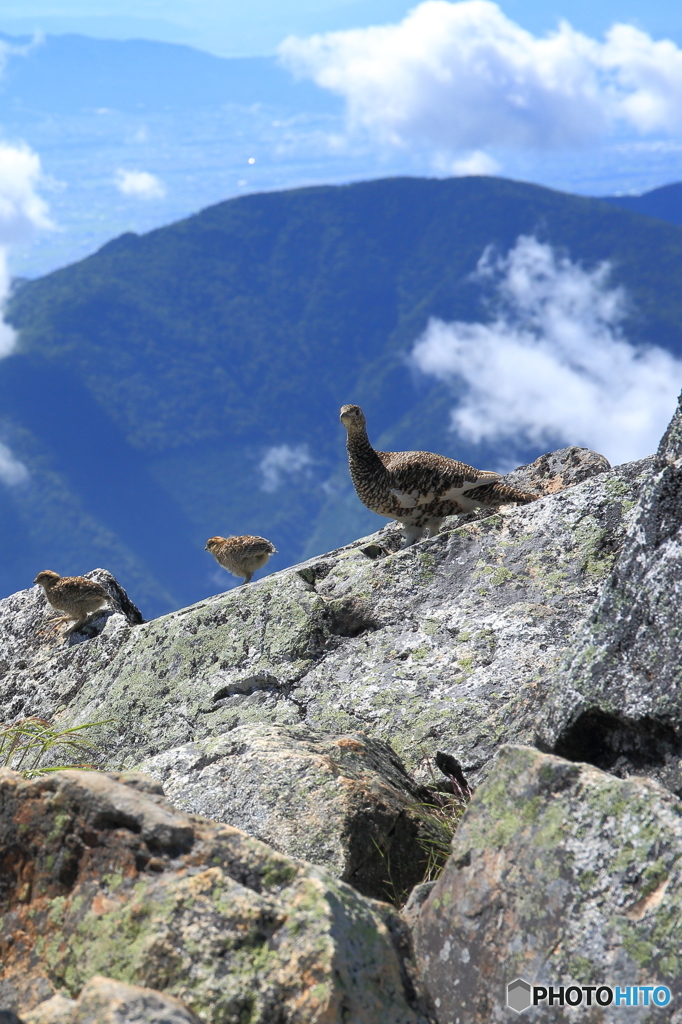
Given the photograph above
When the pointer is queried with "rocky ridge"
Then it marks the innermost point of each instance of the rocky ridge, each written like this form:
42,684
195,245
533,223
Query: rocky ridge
448,644
307,709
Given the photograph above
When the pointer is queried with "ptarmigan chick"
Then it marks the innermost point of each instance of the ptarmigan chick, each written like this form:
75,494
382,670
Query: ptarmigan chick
75,596
242,556
419,489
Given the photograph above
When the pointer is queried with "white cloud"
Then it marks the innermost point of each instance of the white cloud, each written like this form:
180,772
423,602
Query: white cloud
553,365
477,162
12,471
22,212
283,460
140,184
463,76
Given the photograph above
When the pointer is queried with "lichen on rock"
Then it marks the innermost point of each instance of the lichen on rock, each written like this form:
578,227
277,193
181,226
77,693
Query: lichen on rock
102,877
562,875
450,644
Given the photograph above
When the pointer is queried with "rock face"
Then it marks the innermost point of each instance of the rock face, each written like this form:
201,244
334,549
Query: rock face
105,1001
30,640
450,644
558,470
101,877
560,874
342,801
618,700
272,708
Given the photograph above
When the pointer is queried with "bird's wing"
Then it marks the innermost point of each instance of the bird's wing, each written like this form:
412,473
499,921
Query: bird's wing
419,478
259,546
74,587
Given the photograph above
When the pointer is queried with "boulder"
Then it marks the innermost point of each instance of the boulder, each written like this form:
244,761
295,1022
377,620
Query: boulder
345,802
617,700
558,470
560,875
450,644
103,883
105,1001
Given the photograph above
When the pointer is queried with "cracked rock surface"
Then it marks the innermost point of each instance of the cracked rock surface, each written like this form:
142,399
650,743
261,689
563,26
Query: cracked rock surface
345,802
617,700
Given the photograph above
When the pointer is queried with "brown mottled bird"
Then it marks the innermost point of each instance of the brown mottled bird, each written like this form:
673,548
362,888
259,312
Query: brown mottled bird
419,489
75,596
242,556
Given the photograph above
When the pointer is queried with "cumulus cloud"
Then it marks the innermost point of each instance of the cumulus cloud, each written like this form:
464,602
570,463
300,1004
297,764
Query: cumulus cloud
282,461
22,212
140,184
12,471
553,364
463,76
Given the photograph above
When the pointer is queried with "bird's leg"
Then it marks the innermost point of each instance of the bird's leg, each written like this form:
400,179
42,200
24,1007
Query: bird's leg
53,623
247,579
434,526
412,534
76,626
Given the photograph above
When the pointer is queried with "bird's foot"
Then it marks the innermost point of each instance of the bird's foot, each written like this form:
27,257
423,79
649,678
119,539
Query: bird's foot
412,535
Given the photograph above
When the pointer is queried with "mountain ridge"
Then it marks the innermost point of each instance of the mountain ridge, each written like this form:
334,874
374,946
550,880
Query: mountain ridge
198,348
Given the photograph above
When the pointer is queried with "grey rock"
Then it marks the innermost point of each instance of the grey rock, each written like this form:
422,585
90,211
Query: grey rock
107,1001
617,701
415,902
345,802
555,471
560,874
102,885
56,1010
449,645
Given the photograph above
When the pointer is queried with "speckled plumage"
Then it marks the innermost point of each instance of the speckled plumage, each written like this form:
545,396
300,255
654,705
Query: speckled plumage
242,556
76,596
419,489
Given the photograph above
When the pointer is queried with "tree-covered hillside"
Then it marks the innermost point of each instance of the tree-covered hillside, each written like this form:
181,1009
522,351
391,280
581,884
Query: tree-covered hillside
187,382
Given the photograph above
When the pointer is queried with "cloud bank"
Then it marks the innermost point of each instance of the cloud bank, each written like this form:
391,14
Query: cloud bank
22,212
139,184
553,364
282,461
463,77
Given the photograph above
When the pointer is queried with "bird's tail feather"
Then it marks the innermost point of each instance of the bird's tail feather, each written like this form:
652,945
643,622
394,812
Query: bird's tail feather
500,494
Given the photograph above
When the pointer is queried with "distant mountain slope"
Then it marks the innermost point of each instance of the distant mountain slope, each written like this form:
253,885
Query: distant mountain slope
155,376
665,203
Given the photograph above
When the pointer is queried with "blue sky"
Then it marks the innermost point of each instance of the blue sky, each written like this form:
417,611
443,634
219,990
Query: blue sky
238,28
99,137
388,88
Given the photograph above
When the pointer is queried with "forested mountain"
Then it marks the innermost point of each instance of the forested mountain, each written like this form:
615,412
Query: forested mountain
664,203
187,382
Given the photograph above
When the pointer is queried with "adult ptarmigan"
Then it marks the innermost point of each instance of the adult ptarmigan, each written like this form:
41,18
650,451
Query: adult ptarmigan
419,489
76,596
242,556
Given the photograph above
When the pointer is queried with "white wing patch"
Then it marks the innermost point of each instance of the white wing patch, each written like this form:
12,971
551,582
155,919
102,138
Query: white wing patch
408,499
